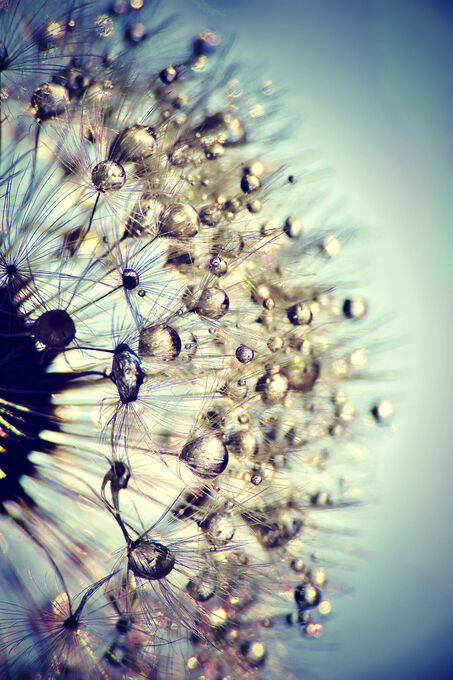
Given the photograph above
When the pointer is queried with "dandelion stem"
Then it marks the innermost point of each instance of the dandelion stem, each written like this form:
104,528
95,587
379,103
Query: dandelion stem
92,214
33,166
90,222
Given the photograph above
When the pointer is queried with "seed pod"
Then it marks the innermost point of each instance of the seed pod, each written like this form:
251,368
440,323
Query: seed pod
130,279
108,176
213,303
206,456
150,560
54,329
49,101
127,373
161,342
118,475
179,221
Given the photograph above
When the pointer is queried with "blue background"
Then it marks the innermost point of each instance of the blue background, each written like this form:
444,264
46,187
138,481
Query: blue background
369,82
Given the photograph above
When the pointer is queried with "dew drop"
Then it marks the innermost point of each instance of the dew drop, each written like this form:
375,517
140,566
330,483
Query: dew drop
127,373
108,176
54,329
150,560
161,342
213,303
244,354
250,183
299,314
168,75
133,144
218,529
201,587
49,101
179,221
206,456
254,652
354,308
292,227
242,443
307,596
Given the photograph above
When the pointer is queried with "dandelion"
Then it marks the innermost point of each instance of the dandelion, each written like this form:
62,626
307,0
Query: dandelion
176,359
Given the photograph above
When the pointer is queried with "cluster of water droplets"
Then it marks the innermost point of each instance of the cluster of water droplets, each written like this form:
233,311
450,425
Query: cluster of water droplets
175,361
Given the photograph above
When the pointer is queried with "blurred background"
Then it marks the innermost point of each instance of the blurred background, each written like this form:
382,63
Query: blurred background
368,84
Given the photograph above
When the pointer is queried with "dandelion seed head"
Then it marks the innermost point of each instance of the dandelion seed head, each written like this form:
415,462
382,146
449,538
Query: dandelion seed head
177,352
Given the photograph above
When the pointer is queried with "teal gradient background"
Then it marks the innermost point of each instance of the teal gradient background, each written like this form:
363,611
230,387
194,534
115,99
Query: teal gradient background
368,81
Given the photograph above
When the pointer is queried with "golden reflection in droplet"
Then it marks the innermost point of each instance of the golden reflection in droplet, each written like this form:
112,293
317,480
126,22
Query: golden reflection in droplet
257,168
191,663
218,617
385,409
340,367
325,607
358,357
319,577
347,412
331,245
